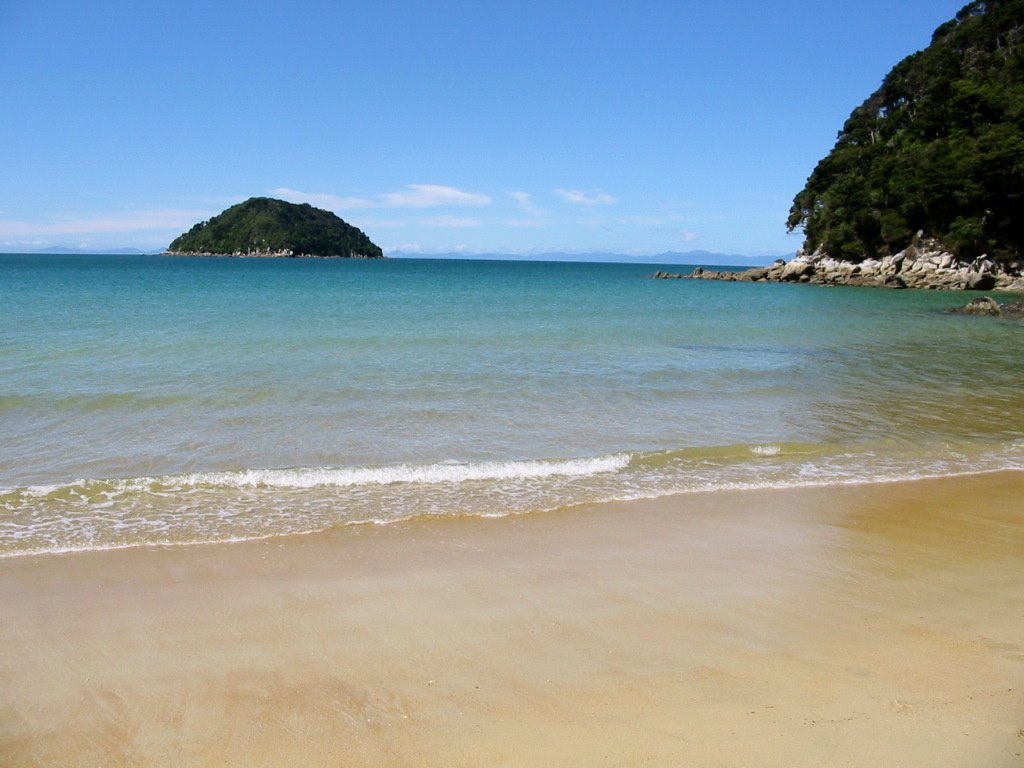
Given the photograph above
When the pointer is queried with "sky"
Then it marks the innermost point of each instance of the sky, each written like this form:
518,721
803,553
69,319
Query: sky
509,127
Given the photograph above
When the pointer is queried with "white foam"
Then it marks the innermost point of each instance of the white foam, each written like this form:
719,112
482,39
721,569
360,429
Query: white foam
343,477
405,473
245,504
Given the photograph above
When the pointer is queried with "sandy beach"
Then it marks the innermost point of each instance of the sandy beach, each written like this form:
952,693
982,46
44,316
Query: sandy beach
870,625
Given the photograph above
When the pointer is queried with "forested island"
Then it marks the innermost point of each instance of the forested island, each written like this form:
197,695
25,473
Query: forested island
263,226
935,154
924,187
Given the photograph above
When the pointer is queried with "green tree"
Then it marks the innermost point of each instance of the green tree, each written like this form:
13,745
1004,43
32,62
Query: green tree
938,148
266,225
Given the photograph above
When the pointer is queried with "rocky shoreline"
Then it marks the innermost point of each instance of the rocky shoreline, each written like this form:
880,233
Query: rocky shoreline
926,269
257,254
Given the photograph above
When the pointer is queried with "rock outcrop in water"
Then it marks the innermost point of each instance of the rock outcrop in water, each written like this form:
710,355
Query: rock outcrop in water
985,306
918,266
263,226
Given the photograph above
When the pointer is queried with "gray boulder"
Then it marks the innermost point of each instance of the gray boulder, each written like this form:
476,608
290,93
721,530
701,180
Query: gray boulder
797,269
1014,310
979,281
982,306
892,281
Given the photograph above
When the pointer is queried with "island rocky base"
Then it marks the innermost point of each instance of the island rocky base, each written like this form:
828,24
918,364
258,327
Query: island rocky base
910,268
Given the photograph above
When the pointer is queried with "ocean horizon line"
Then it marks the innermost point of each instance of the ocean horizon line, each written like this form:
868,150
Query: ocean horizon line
689,258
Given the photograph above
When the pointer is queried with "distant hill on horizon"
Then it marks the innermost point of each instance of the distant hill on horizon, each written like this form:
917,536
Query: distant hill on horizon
696,258
70,250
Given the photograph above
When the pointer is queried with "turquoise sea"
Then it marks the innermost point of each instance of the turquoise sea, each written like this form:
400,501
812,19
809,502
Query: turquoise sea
150,399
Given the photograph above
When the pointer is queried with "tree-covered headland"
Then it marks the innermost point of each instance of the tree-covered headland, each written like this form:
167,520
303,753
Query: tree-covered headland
263,226
938,149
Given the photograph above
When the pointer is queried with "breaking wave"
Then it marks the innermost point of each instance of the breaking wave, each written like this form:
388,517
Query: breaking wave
256,503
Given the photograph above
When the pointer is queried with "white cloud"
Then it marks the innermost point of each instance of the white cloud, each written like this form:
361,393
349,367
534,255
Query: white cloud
688,236
432,196
533,216
425,250
526,204
450,221
580,197
412,196
407,247
324,199
103,223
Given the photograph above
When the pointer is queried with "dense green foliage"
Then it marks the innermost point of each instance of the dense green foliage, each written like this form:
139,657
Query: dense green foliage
267,226
937,149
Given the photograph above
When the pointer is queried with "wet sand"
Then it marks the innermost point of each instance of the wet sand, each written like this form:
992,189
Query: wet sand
848,626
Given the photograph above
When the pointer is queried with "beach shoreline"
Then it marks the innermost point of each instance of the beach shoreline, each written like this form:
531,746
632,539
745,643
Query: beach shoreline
861,625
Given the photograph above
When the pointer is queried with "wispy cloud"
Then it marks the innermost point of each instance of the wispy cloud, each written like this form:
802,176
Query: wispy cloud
687,236
426,250
411,196
105,223
579,197
450,221
533,215
525,202
365,222
431,196
323,199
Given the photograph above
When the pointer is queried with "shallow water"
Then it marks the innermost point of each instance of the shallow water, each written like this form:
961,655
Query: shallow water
156,399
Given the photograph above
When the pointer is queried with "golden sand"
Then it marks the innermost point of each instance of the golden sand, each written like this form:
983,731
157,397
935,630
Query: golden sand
853,626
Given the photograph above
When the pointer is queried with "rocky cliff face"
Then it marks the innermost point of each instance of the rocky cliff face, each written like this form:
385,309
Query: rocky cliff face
923,267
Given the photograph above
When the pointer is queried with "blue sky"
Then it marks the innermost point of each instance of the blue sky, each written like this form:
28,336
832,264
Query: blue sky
436,126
